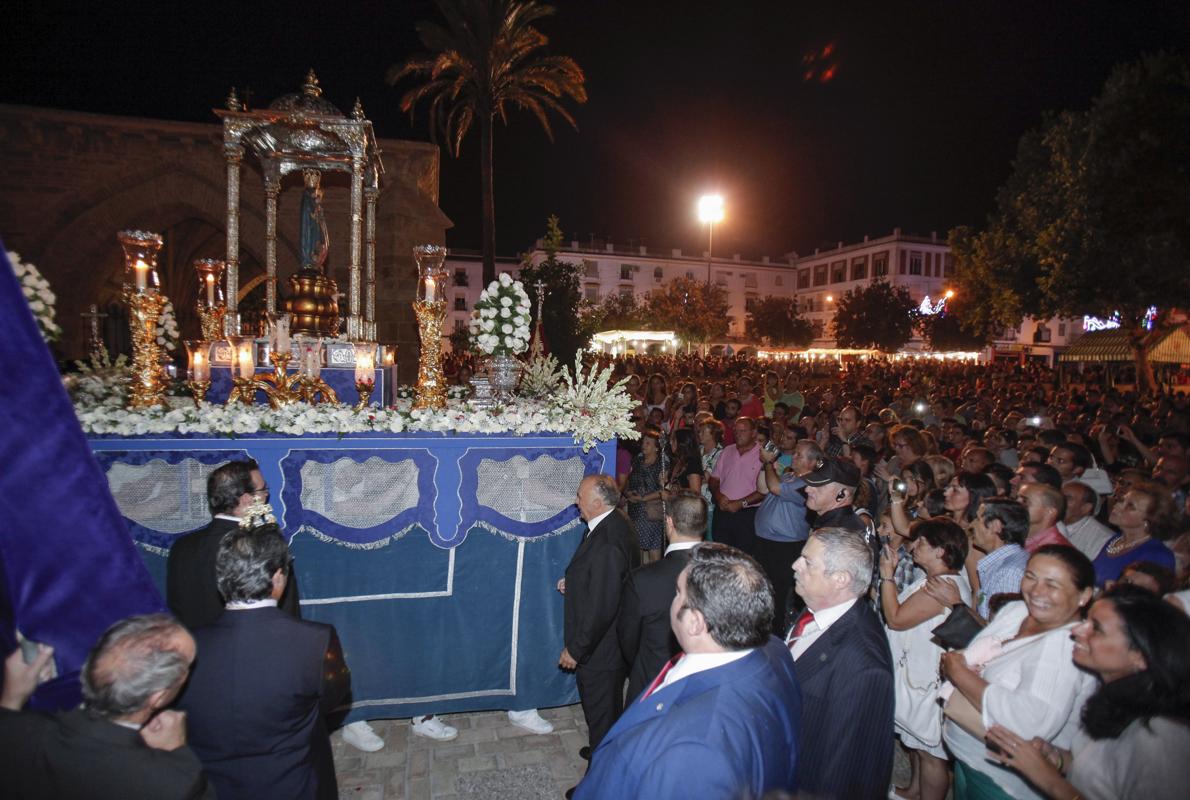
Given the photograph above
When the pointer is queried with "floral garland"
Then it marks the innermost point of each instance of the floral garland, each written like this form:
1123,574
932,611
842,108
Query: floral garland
167,328
592,413
39,296
500,320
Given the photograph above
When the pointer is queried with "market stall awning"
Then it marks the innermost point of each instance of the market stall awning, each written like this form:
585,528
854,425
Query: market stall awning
1112,346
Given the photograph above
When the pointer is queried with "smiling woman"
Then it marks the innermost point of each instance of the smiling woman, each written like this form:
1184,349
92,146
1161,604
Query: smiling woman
1028,682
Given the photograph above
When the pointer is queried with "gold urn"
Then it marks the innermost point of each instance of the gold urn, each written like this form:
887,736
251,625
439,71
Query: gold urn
313,303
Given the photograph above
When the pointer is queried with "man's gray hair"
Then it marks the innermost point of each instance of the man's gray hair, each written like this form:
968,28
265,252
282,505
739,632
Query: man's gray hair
133,660
246,561
605,489
847,551
812,449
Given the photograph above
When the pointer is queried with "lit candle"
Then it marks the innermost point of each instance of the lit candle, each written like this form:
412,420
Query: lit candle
247,366
210,290
431,290
142,275
364,366
199,367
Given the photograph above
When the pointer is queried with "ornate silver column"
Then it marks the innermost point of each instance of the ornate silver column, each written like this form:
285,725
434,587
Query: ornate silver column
234,154
371,194
272,188
354,328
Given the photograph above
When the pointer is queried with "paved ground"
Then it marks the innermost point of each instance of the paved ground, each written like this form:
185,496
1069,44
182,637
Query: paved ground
491,760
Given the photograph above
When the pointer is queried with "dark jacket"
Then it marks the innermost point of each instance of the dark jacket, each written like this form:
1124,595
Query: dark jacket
846,678
78,754
646,639
190,589
594,580
256,704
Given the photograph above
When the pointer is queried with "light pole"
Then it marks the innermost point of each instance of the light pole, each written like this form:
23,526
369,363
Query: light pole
710,211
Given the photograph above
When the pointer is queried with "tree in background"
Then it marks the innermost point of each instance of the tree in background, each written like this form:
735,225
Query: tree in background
621,312
483,61
877,316
1095,218
695,310
775,321
566,329
945,331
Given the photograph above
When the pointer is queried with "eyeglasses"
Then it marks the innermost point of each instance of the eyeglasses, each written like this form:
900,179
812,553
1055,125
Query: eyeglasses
262,490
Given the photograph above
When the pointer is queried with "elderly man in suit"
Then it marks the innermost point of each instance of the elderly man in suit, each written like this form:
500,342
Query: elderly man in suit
592,585
120,743
845,671
722,719
264,682
646,639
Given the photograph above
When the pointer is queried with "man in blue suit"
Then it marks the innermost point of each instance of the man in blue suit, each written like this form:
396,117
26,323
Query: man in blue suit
721,720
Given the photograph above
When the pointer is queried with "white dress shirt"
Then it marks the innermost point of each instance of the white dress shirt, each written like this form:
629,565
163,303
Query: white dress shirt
676,546
593,523
693,663
821,623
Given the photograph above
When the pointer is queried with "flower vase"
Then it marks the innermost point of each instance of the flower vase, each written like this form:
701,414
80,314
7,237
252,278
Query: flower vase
504,372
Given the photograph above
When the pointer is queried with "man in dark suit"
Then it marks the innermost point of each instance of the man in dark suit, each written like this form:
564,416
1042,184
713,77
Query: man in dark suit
121,743
646,638
592,586
190,587
264,681
845,671
722,719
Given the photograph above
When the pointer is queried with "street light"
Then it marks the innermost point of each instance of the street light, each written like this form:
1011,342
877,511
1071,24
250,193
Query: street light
710,211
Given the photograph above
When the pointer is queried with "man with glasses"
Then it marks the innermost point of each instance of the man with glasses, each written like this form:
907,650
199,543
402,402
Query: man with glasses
190,589
845,433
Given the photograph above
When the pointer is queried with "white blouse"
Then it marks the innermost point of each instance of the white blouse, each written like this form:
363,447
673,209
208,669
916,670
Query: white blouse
1034,689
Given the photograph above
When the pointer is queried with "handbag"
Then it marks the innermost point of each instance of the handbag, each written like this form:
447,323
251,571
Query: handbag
958,629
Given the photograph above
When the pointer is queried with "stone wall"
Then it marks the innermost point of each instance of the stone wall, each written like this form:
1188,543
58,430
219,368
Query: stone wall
69,181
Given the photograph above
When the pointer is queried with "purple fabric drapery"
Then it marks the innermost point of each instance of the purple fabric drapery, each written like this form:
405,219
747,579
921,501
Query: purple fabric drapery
68,568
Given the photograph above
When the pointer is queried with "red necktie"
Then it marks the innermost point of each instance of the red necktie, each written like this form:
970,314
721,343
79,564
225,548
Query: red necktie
799,627
661,675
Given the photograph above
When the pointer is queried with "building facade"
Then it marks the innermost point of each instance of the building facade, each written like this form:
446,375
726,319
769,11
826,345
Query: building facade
921,264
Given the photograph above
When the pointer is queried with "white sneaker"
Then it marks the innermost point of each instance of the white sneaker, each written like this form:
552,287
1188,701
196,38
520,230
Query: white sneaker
531,721
361,736
434,728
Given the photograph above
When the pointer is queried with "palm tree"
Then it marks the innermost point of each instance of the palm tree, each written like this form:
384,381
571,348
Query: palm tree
484,60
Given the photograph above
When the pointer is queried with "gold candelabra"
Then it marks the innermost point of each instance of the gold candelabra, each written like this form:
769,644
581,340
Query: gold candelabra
198,390
149,381
365,393
210,321
431,385
281,388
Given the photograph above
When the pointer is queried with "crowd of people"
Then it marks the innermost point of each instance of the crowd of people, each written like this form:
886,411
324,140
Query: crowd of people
1004,514
791,573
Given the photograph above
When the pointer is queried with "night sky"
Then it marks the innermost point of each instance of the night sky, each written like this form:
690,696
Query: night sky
910,119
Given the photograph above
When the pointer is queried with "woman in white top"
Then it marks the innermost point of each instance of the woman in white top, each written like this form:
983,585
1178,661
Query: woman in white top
938,546
1027,682
1134,740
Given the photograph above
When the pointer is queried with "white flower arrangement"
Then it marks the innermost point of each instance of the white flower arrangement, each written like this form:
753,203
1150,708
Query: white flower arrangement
586,407
540,377
500,319
458,392
594,408
39,296
167,328
99,381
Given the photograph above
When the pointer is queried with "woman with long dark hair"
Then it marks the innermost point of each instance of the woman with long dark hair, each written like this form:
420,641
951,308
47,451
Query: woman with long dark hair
1134,737
965,493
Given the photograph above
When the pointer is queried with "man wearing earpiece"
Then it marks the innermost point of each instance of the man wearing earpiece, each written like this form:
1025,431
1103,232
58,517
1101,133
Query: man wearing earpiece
830,490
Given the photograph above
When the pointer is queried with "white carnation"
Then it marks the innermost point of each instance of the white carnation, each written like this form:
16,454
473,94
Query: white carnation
506,302
506,328
505,279
505,313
